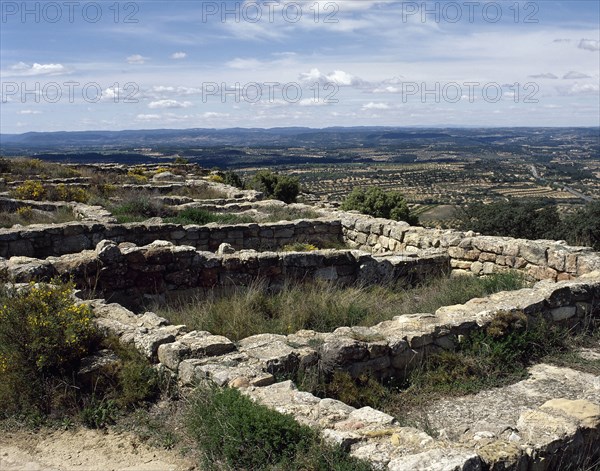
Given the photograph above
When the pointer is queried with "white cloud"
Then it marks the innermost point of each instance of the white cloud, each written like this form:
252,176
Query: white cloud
148,117
212,114
239,63
179,55
30,112
580,89
311,102
38,69
575,75
376,106
338,77
136,59
547,75
169,104
589,45
389,89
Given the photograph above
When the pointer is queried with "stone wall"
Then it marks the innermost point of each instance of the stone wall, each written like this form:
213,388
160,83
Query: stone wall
504,428
471,253
129,274
59,239
81,211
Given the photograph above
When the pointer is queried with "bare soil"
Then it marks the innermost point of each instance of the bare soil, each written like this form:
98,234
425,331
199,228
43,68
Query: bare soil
84,450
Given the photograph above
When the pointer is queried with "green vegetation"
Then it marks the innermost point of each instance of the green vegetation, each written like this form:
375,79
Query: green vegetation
137,207
529,220
492,357
25,216
35,190
201,216
495,356
518,219
288,213
583,226
24,168
379,203
44,335
273,185
236,433
232,179
323,306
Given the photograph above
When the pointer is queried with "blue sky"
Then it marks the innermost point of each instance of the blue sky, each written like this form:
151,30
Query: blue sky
185,64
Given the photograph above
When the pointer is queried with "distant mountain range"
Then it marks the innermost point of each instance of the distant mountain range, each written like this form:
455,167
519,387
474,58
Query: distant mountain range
276,137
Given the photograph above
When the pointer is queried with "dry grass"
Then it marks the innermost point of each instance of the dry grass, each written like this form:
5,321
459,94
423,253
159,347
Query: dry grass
322,306
27,216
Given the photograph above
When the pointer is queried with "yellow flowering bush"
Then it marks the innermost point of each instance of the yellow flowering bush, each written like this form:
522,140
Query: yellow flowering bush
25,212
216,179
30,190
137,174
35,190
63,192
44,330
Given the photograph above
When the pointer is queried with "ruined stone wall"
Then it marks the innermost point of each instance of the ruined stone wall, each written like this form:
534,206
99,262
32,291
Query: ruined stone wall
55,240
486,436
471,253
130,274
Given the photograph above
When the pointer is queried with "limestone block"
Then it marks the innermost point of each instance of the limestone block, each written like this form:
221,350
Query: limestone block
172,354
205,344
438,459
533,253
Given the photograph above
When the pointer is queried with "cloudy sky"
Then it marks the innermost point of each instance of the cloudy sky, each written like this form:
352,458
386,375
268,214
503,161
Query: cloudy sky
216,64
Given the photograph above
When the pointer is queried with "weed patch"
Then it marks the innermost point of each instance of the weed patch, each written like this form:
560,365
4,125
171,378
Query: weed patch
323,306
236,433
201,217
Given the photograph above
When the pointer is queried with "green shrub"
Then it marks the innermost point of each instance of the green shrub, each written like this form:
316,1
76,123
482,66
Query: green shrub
35,190
43,335
135,208
232,429
357,392
99,413
201,217
30,190
518,219
583,226
379,203
273,185
233,179
137,381
492,357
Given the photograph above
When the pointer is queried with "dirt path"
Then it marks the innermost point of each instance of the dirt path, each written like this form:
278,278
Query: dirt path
84,450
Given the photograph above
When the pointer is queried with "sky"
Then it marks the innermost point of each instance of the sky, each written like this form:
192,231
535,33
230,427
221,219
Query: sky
112,65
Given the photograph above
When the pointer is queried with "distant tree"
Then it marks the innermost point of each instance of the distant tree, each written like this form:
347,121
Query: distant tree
518,219
233,179
583,226
379,203
273,185
181,160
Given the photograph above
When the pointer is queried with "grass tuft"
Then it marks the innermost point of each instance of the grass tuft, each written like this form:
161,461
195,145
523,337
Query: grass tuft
323,306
